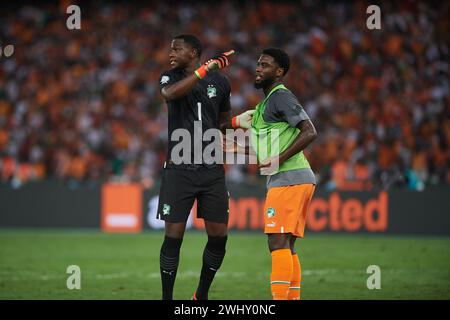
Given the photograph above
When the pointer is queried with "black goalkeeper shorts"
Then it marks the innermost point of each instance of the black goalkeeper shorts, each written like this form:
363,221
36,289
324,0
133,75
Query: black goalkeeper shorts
180,188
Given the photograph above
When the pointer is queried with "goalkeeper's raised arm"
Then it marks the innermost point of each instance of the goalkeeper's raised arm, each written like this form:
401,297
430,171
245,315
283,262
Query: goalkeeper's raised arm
195,71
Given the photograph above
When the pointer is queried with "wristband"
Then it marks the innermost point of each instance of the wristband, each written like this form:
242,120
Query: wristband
201,72
234,122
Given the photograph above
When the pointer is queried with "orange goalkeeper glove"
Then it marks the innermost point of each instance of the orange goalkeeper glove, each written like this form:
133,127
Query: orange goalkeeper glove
217,62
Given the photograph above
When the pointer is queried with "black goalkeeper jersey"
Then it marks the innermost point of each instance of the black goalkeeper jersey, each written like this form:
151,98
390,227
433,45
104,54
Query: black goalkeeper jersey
197,111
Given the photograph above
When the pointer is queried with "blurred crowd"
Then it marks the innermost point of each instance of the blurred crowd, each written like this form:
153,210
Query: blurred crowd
83,105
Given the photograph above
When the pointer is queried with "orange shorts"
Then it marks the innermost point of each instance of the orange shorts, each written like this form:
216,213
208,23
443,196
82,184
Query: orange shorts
286,207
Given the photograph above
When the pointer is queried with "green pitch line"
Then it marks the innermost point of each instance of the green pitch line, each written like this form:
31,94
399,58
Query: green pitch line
117,266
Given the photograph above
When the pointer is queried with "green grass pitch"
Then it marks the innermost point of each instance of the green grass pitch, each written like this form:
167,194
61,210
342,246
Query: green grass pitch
121,266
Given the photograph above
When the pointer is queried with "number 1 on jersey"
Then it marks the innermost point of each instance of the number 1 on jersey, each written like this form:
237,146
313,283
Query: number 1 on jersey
199,110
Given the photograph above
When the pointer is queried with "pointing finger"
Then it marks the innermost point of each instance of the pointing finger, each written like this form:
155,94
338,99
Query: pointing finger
229,53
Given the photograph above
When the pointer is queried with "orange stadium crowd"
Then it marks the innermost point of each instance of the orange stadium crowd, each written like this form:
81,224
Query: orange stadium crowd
83,105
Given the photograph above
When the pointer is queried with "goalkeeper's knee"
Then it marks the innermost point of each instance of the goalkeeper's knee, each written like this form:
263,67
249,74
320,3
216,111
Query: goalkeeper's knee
215,251
170,253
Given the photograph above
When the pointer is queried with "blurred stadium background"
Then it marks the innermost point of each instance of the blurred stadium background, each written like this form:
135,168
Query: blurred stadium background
81,122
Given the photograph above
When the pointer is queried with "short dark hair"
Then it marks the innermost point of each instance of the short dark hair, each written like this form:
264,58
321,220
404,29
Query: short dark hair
193,42
280,57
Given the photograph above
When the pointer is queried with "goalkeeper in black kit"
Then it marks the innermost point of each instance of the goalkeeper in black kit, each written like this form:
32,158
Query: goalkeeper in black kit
196,95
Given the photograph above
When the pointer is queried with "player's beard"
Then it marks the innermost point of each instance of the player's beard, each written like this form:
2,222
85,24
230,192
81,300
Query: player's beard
263,84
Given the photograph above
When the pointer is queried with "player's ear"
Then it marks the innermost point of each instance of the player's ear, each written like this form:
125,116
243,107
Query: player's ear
280,72
193,53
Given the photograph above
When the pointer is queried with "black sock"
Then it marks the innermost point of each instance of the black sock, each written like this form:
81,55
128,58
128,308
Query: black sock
168,262
212,259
